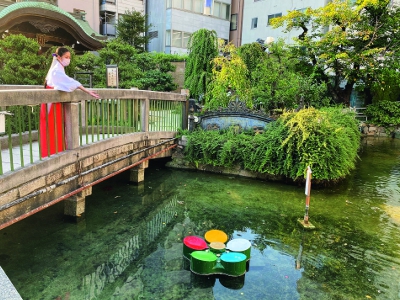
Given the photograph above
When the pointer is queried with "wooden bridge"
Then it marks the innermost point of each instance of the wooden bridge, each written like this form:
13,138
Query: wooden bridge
121,131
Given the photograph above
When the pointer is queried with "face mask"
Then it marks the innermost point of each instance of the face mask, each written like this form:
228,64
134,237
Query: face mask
65,61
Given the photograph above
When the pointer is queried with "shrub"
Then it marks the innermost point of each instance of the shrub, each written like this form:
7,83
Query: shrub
384,113
327,140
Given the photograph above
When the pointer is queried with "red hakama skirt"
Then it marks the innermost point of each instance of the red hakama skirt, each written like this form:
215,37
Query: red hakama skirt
51,128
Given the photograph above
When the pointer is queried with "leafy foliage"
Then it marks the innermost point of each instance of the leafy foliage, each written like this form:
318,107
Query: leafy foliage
135,69
253,55
262,80
229,80
202,49
384,113
20,62
132,28
386,86
327,140
350,51
277,83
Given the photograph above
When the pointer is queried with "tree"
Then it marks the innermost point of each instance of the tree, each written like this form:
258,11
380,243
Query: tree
262,80
20,62
229,80
386,86
252,55
135,69
202,49
360,42
156,72
132,28
276,83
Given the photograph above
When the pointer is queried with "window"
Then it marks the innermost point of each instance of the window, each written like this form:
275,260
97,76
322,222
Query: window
168,38
187,4
153,34
216,9
224,12
233,22
270,17
185,40
254,23
206,7
177,3
198,6
221,10
178,39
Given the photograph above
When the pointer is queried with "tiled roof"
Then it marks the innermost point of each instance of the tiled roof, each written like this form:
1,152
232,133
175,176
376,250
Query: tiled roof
43,5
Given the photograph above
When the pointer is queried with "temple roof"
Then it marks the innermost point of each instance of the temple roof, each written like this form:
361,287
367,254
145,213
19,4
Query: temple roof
47,18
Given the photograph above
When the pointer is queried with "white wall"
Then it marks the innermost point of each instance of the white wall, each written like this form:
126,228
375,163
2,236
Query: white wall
164,19
261,9
91,7
125,5
191,22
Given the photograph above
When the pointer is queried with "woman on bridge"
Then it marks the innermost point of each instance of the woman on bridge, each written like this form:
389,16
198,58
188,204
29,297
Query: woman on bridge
51,117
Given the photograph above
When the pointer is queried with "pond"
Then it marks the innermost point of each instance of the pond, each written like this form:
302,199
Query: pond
128,245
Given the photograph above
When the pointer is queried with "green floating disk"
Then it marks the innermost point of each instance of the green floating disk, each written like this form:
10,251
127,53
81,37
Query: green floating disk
304,225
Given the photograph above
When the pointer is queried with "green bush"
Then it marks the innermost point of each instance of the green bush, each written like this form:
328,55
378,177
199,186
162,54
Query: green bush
327,140
384,113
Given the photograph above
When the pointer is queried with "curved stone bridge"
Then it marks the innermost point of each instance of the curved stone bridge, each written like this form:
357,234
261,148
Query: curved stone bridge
126,128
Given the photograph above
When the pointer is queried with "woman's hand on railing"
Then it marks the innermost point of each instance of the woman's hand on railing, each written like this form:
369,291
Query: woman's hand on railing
94,94
91,93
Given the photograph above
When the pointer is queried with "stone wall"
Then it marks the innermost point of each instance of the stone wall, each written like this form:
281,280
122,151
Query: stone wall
179,162
179,75
378,131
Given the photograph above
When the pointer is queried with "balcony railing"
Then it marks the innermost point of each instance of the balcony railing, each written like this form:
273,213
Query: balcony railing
108,29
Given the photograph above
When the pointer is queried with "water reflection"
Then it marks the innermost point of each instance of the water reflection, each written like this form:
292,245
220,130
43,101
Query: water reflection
94,283
130,244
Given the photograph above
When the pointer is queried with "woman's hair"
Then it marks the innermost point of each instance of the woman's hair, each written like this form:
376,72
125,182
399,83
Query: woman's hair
60,51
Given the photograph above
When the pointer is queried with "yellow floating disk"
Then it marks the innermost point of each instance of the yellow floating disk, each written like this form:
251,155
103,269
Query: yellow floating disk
217,247
216,235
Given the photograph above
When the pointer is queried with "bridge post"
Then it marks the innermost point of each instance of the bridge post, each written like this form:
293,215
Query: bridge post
72,124
75,206
185,109
144,111
136,174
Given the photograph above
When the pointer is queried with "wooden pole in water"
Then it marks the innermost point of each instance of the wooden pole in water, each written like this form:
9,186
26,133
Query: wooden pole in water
307,192
305,223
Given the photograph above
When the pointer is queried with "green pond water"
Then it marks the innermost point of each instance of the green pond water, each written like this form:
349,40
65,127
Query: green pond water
128,245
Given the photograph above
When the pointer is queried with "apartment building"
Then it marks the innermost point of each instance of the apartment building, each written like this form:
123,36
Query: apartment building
173,21
236,25
111,10
257,15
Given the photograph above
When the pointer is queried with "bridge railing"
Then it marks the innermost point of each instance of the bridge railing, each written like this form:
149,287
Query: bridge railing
85,120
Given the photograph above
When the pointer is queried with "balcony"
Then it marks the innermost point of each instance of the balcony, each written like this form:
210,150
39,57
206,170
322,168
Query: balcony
108,5
108,29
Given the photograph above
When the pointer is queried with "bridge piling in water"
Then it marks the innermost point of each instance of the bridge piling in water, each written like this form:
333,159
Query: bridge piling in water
136,174
74,206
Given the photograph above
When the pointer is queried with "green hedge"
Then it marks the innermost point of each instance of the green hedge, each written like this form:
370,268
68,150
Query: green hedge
384,113
327,140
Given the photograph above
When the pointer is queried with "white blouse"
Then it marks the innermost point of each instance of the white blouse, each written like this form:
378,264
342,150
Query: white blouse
57,79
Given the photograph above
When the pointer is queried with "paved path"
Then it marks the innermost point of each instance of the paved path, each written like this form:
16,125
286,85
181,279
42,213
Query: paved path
7,290
5,154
